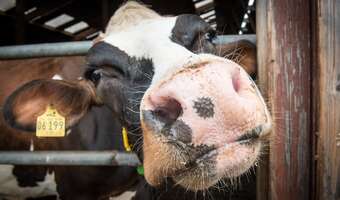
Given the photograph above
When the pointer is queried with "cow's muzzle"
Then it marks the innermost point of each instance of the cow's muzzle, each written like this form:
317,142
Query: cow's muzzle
206,121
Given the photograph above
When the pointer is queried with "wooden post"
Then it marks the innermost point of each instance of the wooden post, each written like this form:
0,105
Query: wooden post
262,182
284,61
327,95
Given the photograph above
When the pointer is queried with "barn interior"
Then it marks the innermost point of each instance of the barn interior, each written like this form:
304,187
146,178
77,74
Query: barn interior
41,21
298,71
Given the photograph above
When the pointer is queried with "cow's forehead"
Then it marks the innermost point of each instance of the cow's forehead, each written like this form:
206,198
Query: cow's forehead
151,39
147,31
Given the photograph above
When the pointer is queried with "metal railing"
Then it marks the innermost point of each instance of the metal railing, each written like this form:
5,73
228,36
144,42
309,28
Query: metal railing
90,158
45,50
80,48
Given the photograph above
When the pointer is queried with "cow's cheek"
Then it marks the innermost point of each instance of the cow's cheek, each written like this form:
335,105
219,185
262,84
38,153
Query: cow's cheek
235,159
160,160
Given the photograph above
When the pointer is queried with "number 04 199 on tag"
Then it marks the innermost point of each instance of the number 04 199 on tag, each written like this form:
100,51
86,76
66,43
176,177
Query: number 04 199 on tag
50,124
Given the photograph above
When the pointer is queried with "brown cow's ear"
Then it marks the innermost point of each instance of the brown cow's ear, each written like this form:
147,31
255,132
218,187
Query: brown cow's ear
71,99
242,52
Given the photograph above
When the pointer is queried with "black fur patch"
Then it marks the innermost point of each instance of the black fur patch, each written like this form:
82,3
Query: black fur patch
190,31
50,197
104,55
204,107
123,79
221,191
28,176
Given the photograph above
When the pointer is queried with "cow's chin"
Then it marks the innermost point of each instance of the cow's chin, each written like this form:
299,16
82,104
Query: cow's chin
163,159
226,162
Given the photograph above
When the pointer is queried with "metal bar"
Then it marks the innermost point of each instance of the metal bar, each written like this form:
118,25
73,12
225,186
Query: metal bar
223,39
45,50
80,48
89,158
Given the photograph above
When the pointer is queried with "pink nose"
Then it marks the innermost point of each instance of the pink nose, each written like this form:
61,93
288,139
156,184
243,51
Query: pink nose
202,104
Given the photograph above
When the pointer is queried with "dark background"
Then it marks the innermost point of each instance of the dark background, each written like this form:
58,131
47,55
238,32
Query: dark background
24,22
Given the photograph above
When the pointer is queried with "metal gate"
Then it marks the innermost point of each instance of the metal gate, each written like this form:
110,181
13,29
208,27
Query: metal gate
93,158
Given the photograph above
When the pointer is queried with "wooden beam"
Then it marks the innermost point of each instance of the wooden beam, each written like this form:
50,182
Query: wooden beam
327,95
284,61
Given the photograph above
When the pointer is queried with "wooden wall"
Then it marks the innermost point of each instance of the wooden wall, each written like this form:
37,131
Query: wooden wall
299,72
284,61
327,99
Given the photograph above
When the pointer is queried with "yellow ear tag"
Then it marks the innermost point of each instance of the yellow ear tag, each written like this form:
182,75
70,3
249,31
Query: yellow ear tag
50,124
126,143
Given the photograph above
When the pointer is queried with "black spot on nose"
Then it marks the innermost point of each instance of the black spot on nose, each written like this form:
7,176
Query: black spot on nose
201,153
172,129
204,107
178,130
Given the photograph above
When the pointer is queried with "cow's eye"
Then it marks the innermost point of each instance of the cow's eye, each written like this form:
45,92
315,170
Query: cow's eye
210,35
95,73
95,76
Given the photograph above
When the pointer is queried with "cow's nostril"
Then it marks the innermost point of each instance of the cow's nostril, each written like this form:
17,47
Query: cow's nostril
169,111
236,80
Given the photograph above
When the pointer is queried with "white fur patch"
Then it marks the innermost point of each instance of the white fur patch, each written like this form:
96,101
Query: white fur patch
155,43
9,188
57,77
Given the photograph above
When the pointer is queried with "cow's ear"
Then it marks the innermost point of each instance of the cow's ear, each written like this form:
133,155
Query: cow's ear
71,99
242,52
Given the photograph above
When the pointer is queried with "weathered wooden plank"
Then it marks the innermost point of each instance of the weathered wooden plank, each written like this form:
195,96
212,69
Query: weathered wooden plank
328,99
262,177
314,101
283,39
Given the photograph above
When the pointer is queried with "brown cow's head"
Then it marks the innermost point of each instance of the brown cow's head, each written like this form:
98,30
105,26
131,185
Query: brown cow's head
202,116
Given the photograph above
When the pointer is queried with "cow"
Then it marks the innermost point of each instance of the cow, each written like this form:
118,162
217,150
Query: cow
194,117
21,182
